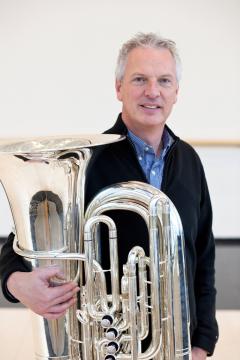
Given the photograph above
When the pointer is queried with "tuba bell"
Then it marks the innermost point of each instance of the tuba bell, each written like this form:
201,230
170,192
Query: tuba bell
44,180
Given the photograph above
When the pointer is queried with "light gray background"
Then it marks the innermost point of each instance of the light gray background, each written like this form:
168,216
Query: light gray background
57,61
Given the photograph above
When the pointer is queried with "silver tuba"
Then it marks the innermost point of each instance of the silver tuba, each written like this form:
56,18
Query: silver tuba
44,179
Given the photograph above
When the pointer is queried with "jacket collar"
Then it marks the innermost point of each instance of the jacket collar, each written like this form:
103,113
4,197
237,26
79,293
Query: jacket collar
120,128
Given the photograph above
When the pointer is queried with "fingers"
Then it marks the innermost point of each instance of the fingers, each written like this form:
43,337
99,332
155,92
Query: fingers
59,298
54,292
59,310
57,294
66,296
33,289
56,306
52,316
47,272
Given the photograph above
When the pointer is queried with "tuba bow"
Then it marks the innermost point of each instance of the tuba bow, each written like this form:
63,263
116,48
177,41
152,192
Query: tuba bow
44,180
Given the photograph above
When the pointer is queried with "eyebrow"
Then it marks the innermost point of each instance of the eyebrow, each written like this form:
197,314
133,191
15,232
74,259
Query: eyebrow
167,75
163,75
138,74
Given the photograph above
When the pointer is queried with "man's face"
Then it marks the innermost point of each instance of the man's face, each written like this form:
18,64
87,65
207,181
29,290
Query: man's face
148,89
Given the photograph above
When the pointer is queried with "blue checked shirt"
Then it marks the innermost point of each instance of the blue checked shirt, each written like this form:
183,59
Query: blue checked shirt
151,164
153,168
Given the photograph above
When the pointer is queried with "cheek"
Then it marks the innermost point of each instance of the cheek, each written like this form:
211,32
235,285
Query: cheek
133,95
171,99
130,96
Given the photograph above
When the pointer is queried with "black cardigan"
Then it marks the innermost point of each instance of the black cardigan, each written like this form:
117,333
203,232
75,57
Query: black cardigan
184,183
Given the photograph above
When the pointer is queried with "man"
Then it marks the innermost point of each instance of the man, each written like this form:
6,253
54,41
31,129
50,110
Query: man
147,83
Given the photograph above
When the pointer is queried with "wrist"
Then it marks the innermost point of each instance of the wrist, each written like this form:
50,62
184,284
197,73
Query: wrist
199,353
11,284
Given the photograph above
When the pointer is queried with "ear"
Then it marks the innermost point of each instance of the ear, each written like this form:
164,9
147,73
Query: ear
118,87
176,97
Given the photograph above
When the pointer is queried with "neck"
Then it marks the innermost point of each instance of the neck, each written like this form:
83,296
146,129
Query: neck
152,138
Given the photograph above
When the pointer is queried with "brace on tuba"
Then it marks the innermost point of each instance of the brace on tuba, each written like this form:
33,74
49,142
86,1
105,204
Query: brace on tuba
44,180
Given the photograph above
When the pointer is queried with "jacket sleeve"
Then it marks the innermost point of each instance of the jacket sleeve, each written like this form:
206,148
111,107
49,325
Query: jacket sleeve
9,263
205,335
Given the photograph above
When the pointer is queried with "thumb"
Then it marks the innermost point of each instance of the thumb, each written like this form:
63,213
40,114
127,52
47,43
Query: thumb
47,272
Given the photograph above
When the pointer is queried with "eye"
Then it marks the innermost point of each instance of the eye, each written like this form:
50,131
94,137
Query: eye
139,80
166,82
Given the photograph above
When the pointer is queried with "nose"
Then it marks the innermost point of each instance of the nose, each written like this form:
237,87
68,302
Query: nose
152,89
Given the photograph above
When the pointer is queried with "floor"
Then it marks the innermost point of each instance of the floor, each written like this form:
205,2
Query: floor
15,329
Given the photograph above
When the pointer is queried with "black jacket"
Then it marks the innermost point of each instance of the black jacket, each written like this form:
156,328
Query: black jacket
185,184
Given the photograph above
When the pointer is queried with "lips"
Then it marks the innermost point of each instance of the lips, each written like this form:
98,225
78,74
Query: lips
150,106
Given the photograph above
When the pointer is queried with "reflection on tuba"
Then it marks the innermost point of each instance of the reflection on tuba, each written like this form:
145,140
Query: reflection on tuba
44,179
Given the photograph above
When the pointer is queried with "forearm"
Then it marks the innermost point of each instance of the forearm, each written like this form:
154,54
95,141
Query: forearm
206,333
10,262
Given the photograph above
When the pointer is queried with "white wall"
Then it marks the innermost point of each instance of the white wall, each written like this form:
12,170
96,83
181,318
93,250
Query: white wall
57,61
223,175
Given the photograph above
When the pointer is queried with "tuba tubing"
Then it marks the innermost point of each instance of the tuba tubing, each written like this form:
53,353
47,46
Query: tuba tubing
44,180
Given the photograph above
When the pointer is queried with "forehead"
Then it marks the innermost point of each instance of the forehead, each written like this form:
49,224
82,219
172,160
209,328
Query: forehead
150,60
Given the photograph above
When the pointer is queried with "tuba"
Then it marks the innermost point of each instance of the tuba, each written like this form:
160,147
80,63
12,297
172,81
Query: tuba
44,180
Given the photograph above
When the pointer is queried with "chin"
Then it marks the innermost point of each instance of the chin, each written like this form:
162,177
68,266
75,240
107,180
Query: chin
153,122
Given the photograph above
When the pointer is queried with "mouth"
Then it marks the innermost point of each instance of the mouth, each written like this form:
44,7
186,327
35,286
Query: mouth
151,107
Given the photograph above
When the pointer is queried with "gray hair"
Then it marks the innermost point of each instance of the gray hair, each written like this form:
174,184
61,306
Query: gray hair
146,40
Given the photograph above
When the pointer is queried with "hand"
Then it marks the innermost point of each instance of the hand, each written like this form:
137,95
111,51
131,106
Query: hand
34,290
198,354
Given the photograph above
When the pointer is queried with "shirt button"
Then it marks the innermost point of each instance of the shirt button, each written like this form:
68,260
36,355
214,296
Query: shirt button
146,148
139,158
153,172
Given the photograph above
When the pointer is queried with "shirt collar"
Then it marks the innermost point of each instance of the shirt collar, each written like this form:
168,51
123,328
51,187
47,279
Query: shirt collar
142,147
